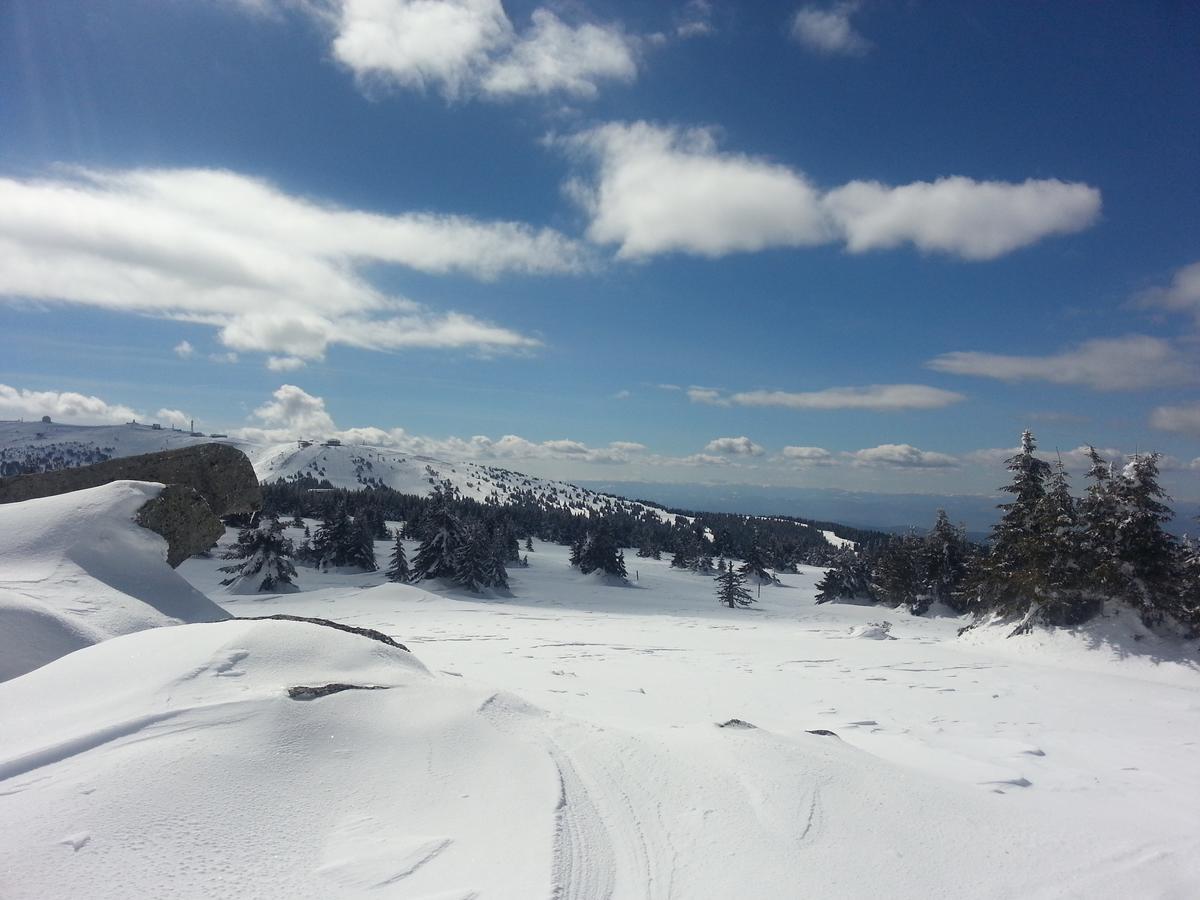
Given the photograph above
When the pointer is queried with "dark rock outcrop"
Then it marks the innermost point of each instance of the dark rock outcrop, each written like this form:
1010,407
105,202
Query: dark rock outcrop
304,692
183,517
327,623
221,474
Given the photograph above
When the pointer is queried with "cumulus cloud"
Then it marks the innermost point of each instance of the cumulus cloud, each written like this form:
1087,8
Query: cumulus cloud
176,417
1181,295
660,190
829,30
62,406
294,413
975,220
879,397
1185,419
1107,364
653,189
901,456
275,273
807,456
733,446
185,350
470,48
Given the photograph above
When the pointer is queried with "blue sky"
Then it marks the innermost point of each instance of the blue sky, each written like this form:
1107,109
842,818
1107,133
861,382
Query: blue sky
852,244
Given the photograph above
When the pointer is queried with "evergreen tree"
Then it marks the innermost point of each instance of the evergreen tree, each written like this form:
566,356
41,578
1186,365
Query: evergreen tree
494,568
1013,575
297,520
398,564
897,575
528,544
1147,579
1097,517
443,533
599,552
471,557
849,578
265,555
731,589
334,538
360,547
946,556
754,566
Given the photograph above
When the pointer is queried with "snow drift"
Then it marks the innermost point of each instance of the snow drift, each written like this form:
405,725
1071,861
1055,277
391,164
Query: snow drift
75,569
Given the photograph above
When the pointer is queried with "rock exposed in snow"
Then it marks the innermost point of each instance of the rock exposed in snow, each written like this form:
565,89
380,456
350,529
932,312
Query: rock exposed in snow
185,519
221,474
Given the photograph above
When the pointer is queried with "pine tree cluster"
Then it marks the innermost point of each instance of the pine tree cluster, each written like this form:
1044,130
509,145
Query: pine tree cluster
1052,558
463,550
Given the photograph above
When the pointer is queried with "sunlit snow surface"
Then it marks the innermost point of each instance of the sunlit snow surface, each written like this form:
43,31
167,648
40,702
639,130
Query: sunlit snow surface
564,742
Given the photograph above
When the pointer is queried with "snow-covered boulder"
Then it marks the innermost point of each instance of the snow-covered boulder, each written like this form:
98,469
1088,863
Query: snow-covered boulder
76,569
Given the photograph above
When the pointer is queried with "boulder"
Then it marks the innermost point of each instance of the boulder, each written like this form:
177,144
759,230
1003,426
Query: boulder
182,516
221,474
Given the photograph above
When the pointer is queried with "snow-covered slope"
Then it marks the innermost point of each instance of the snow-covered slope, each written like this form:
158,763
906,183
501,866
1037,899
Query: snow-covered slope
75,569
565,743
348,466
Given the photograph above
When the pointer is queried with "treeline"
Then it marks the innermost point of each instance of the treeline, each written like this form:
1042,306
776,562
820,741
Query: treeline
1052,558
782,542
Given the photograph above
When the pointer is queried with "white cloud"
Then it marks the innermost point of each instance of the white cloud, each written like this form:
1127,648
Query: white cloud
224,359
622,395
668,387
275,273
880,397
696,459
1106,364
695,20
627,446
808,456
711,396
1181,295
660,190
657,189
553,56
829,30
285,363
295,412
176,417
975,220
184,350
1185,419
733,446
64,406
470,48
901,456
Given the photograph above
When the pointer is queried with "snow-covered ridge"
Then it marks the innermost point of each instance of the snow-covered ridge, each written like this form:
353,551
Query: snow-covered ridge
342,465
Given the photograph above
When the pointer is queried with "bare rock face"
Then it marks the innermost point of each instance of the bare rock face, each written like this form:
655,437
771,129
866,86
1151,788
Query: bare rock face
182,516
221,474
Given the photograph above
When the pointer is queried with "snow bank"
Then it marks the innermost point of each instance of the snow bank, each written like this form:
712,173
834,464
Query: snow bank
76,569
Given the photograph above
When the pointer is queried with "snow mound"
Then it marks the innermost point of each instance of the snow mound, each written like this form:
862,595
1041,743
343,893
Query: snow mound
873,631
75,569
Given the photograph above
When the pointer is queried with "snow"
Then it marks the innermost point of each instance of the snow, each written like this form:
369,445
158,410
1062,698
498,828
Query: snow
839,542
75,569
562,740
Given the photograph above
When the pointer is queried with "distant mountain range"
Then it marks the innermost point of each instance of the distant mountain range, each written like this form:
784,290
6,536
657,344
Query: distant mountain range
861,509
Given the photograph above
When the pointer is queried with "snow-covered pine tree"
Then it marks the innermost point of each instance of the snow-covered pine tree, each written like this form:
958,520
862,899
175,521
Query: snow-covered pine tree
1097,516
471,557
754,566
494,565
1148,578
266,564
600,553
443,532
529,544
397,569
731,589
849,578
1012,576
898,577
333,539
1063,599
360,546
946,555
